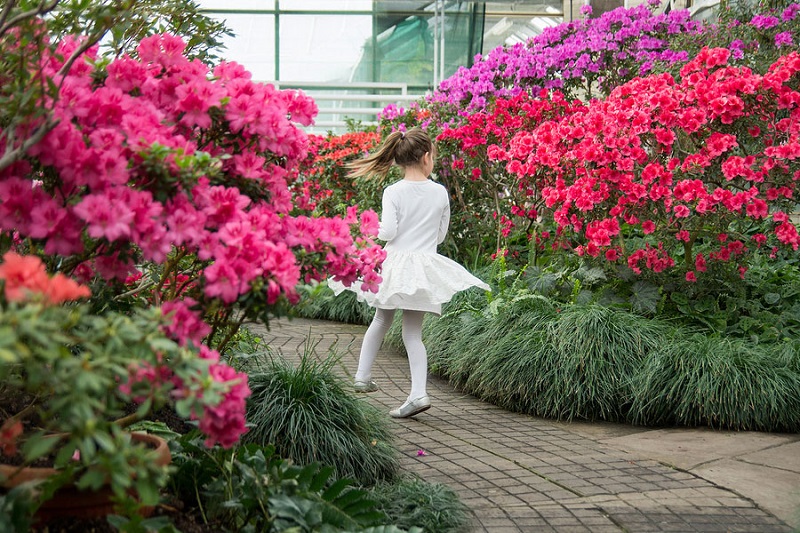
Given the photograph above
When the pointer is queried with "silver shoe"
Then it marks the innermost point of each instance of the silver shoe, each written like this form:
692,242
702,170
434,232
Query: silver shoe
365,386
411,408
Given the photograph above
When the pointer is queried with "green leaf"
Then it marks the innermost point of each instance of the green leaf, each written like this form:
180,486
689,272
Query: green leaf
92,479
39,445
645,297
148,492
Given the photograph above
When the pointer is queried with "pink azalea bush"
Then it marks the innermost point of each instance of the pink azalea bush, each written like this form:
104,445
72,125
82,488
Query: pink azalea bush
159,180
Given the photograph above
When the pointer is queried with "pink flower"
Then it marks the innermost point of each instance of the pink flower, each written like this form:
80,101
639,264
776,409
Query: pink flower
369,223
111,267
185,326
681,211
223,281
195,98
690,276
104,219
700,263
302,109
225,422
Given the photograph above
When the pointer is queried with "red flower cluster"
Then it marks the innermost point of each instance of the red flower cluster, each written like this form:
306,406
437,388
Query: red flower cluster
664,164
323,181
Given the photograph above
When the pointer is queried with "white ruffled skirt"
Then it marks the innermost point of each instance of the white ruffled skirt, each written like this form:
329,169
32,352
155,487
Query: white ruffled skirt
415,281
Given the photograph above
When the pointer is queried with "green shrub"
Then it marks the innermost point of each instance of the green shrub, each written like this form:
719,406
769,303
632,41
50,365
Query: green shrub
699,380
592,353
249,488
320,302
309,414
433,507
528,355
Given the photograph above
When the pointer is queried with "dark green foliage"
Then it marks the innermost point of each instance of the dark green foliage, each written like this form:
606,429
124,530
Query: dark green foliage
250,489
17,506
533,357
702,380
320,302
591,354
433,507
310,415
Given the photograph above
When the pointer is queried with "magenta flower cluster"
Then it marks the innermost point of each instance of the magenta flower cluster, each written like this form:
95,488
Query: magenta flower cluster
569,53
114,185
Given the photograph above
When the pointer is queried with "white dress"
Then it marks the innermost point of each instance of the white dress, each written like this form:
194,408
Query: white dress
414,221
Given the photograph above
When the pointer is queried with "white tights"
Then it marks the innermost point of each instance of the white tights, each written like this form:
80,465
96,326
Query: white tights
412,339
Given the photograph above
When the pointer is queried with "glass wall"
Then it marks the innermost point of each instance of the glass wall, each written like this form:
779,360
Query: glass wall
371,47
417,42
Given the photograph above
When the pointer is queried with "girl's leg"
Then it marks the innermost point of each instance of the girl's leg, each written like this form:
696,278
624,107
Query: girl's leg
417,355
373,339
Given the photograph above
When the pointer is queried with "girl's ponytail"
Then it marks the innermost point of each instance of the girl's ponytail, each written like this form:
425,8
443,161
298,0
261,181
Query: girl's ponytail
380,161
402,148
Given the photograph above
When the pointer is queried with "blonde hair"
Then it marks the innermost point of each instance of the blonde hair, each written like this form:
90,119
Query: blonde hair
404,149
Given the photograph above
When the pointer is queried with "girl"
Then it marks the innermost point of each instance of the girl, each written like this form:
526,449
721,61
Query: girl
416,279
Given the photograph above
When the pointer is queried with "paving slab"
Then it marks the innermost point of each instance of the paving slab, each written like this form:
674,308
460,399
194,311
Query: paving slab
776,490
783,456
688,448
522,473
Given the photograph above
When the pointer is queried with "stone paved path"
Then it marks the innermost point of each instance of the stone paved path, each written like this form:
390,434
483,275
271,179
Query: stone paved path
520,473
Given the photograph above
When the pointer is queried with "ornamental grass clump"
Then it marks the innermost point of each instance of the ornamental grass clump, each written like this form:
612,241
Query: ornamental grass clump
309,414
510,370
591,355
412,502
698,380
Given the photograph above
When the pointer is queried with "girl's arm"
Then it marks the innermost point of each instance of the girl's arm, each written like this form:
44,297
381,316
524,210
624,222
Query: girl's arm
444,222
388,228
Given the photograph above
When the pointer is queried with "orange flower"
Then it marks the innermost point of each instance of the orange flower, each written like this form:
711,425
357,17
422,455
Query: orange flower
10,430
63,289
23,275
26,275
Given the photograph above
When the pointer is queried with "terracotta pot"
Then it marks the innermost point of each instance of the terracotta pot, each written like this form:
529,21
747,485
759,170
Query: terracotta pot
68,501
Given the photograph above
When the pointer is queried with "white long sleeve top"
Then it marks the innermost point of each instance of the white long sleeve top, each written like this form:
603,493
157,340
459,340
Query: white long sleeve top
415,216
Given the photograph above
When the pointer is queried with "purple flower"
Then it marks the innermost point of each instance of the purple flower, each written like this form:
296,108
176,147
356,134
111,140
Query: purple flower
783,39
737,49
764,22
586,9
790,12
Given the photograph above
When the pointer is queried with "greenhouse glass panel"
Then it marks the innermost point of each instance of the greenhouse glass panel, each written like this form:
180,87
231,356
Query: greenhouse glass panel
237,5
325,5
253,43
312,47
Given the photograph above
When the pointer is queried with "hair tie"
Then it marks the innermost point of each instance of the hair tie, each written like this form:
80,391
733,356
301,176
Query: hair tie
402,134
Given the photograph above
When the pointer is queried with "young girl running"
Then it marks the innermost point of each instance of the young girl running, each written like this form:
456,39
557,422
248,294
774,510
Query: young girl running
416,279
